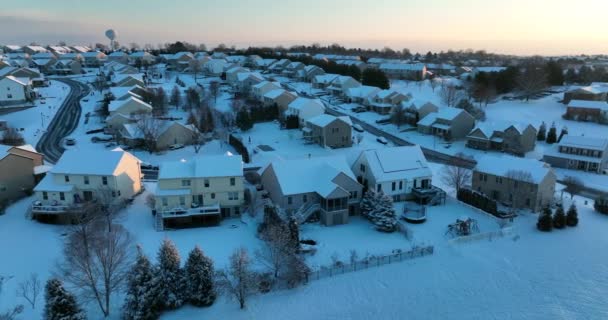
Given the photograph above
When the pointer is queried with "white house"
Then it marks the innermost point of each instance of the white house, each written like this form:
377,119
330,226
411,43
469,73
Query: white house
15,91
305,109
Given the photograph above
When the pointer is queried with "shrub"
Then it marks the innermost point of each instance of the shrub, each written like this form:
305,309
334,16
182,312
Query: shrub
572,216
545,222
559,218
601,205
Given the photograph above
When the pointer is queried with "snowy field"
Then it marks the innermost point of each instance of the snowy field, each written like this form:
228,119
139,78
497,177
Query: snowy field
35,120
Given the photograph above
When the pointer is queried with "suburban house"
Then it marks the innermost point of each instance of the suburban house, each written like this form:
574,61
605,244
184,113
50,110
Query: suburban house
280,98
329,131
361,94
415,110
167,134
514,138
71,56
441,69
123,111
128,80
59,50
579,153
141,58
110,177
305,109
279,66
354,63
232,74
400,172
32,50
384,101
33,76
413,71
323,81
259,90
14,91
199,191
586,110
118,56
341,84
292,69
181,60
19,169
309,73
513,181
447,123
264,64
93,59
215,67
246,80
43,61
589,93
304,187
65,67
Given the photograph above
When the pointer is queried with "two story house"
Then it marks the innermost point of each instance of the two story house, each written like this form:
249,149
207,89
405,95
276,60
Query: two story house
416,110
18,171
110,177
514,138
329,131
397,172
447,123
517,182
340,85
384,101
305,109
199,191
579,153
303,187
259,90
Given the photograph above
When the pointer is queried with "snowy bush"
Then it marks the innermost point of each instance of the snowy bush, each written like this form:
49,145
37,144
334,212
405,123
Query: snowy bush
601,205
545,221
572,216
378,208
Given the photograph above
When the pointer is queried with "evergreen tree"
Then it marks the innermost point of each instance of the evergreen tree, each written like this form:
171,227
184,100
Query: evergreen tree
171,276
142,300
559,218
542,132
545,222
376,78
176,97
562,133
552,135
555,73
60,304
385,218
572,217
368,204
199,278
243,120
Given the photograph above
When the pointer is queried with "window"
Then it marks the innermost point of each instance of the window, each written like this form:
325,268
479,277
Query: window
86,179
114,194
119,193
66,178
213,196
394,186
186,183
9,96
289,200
45,196
400,185
182,201
61,196
206,183
305,198
528,202
104,181
353,195
362,168
165,202
379,188
233,195
481,177
232,181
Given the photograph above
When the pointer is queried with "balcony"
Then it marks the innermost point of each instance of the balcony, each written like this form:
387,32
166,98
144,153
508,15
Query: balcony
189,212
40,208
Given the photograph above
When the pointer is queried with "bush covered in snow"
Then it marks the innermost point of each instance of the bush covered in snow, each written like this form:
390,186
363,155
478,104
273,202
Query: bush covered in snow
545,221
378,208
601,205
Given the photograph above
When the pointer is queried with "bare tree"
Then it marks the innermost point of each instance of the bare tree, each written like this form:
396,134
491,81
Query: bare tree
398,115
97,261
30,289
573,185
277,248
434,83
532,80
148,128
196,66
198,140
12,314
214,90
450,95
456,174
239,280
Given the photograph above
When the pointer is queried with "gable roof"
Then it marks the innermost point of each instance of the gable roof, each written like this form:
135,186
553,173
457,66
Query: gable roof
117,104
602,105
503,165
203,167
302,103
91,162
593,143
325,119
398,163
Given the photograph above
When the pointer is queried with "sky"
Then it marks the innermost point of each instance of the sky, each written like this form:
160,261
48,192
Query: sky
524,27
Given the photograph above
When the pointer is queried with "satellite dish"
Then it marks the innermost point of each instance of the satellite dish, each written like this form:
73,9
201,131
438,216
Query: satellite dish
111,34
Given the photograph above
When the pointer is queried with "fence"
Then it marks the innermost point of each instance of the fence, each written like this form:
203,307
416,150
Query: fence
371,262
482,236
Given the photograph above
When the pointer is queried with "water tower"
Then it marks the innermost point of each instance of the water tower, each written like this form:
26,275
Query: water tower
111,34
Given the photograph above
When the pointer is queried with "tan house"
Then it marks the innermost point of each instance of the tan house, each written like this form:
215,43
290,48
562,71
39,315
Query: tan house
304,109
231,74
329,131
129,107
128,80
199,191
110,177
309,73
414,111
514,138
384,101
118,56
447,123
292,69
93,59
259,90
516,182
323,81
304,187
400,172
279,97
141,57
579,153
19,168
169,133
65,67
181,60
361,94
339,87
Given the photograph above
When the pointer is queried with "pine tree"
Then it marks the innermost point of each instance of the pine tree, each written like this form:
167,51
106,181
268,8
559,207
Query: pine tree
562,133
542,132
545,222
171,276
552,135
199,278
243,120
368,204
559,218
572,217
384,216
176,97
142,300
60,304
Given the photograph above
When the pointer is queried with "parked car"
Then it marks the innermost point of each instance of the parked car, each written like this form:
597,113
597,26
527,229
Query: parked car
357,127
382,140
176,146
70,141
97,139
110,144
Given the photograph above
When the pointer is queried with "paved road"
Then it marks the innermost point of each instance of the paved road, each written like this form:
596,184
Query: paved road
64,123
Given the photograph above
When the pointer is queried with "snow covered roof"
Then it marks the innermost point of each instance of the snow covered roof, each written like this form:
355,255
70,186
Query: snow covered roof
362,91
449,113
505,166
118,54
592,143
488,128
91,162
402,66
326,78
602,105
489,69
117,104
428,120
398,163
303,103
310,175
273,94
48,184
325,119
203,167
17,80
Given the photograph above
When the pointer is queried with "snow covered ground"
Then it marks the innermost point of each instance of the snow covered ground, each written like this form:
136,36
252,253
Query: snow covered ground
33,121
